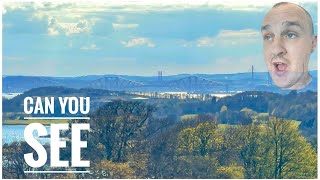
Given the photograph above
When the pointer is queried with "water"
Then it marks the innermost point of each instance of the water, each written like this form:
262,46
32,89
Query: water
10,95
11,133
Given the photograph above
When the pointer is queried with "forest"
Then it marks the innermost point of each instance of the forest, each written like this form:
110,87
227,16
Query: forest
250,135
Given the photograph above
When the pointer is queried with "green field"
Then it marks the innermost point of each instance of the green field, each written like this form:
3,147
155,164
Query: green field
25,122
260,117
188,116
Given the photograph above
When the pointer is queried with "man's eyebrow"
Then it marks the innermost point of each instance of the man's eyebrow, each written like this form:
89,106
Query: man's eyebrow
265,27
292,23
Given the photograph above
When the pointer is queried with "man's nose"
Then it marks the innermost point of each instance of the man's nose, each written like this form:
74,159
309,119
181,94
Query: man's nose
278,48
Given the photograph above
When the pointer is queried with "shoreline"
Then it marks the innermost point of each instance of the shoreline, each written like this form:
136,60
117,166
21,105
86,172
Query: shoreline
26,122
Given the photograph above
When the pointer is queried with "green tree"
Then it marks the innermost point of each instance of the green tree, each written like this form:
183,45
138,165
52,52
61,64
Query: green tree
202,139
223,108
231,172
116,124
252,151
196,166
13,164
290,154
276,150
230,145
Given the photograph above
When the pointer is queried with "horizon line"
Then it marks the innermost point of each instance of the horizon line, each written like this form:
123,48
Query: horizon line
155,75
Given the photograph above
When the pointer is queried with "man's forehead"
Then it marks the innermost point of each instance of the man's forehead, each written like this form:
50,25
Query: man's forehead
285,16
284,21
286,12
288,8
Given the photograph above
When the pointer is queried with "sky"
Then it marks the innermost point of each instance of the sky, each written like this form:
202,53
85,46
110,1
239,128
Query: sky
135,37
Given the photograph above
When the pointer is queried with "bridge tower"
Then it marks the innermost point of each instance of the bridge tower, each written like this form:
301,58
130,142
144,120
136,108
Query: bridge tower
252,72
159,75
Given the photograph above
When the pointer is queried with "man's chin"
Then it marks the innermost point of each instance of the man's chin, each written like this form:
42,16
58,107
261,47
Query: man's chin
282,82
288,80
282,85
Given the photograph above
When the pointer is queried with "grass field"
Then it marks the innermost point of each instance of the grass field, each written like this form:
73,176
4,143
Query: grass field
25,122
260,117
224,126
188,116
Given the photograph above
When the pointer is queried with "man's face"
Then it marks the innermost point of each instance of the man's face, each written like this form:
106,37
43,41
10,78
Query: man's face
288,43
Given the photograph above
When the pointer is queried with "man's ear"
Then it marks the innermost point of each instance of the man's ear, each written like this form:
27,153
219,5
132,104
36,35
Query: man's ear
314,43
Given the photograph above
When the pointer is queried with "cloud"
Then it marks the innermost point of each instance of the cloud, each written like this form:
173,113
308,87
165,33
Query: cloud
55,27
124,26
52,32
244,36
90,47
142,5
70,14
83,26
120,18
205,42
140,41
244,33
230,37
64,19
11,6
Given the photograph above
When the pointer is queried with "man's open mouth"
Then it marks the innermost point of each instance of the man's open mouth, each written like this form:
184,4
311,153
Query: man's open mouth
280,68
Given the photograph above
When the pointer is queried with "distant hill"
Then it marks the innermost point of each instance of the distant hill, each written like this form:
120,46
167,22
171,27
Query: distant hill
200,83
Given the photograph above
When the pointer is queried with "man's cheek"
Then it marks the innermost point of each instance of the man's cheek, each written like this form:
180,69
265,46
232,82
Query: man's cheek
303,60
299,66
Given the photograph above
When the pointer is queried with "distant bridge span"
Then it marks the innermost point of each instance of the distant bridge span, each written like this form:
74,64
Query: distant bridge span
190,83
195,83
114,83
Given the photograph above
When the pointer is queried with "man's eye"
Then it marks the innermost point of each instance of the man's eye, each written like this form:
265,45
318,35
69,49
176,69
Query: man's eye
291,35
267,37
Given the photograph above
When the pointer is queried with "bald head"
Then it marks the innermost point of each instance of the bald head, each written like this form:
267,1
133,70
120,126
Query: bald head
309,18
288,41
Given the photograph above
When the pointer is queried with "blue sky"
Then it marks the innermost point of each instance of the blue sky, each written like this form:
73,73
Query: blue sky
135,38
